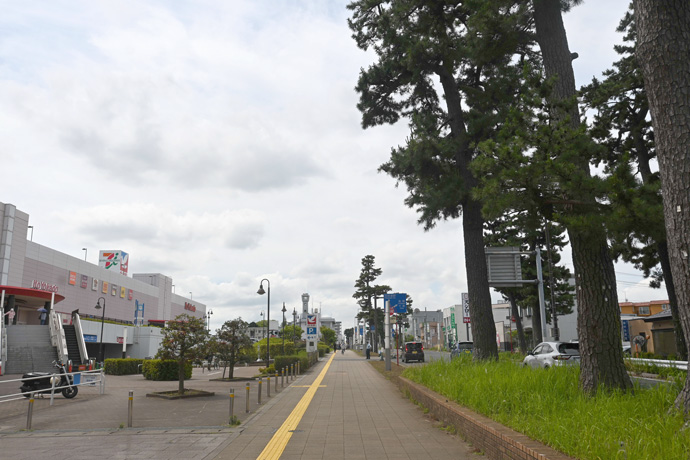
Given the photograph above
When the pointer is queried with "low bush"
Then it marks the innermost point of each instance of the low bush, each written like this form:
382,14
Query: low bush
164,369
121,366
323,349
270,370
547,405
282,362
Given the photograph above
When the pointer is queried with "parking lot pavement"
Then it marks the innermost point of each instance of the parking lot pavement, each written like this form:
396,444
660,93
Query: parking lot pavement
353,412
89,410
163,429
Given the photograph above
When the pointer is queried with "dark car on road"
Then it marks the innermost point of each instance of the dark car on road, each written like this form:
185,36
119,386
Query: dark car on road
413,351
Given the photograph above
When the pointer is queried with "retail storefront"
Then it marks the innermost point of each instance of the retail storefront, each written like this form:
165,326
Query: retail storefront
35,277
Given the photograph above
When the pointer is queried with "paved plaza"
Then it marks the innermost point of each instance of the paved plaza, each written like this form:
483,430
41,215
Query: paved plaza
342,408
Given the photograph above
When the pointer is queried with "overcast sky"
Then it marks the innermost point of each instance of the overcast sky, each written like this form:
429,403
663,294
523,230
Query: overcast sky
218,142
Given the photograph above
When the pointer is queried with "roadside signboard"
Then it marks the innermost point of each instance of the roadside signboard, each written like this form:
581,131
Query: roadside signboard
397,302
465,308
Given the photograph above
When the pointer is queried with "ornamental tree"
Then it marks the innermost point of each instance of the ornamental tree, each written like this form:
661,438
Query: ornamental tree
232,340
184,340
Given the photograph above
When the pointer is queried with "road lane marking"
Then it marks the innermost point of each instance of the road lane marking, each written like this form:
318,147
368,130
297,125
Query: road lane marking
275,447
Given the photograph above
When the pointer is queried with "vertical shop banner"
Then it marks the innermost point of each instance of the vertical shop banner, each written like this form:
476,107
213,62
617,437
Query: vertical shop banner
73,278
105,287
466,308
84,281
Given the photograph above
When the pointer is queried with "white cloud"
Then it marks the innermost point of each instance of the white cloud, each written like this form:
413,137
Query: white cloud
219,143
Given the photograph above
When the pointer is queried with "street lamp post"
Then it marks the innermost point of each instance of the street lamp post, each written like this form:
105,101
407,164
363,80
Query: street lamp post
85,252
208,316
101,354
268,318
294,325
283,310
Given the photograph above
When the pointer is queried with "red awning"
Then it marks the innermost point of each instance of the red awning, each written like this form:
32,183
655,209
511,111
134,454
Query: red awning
30,297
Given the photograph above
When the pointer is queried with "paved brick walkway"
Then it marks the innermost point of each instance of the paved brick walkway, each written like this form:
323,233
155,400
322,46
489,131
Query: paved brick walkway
355,414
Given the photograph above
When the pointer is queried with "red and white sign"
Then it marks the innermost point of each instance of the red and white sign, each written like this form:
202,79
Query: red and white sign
189,306
311,320
43,286
120,339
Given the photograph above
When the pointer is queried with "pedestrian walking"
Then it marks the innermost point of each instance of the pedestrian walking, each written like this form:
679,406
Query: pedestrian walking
43,315
368,350
10,316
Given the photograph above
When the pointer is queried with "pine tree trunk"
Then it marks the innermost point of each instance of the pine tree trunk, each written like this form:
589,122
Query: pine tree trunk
598,317
663,47
481,314
522,343
681,342
598,311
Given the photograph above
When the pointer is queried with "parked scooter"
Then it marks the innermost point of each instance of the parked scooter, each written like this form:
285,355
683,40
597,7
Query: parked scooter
45,383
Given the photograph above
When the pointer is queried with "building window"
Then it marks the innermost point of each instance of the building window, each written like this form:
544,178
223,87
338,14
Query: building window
642,310
665,307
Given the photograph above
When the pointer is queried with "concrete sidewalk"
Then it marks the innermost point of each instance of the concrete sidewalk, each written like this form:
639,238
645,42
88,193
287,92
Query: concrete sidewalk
355,414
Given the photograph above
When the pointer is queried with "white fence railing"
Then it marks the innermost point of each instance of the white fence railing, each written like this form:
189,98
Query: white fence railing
81,378
683,365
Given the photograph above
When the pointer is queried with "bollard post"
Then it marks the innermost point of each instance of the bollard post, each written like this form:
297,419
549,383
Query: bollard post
31,411
282,378
130,409
268,386
276,382
297,367
259,390
292,371
247,409
232,403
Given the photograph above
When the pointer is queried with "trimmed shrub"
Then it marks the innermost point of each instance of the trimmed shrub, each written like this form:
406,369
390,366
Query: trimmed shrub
164,369
285,361
122,366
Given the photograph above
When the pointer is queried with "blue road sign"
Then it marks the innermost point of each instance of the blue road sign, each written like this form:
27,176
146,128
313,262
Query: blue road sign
397,301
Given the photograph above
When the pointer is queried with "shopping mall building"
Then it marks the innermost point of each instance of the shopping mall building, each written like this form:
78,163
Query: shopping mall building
34,278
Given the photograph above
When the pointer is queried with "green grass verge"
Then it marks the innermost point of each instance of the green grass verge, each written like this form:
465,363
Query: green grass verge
547,405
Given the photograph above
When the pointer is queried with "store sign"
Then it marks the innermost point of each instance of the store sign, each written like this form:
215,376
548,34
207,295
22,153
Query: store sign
91,338
43,286
189,306
72,278
120,340
114,260
466,308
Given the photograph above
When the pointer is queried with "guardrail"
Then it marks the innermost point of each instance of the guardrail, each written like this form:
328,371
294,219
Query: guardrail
81,378
683,365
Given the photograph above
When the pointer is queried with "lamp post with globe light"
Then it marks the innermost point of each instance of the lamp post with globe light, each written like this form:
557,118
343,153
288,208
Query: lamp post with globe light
294,325
268,317
283,310
98,306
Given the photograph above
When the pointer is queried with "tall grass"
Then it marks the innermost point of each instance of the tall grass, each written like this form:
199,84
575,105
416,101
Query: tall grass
547,405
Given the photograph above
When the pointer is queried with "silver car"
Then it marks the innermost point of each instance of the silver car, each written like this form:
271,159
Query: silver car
548,354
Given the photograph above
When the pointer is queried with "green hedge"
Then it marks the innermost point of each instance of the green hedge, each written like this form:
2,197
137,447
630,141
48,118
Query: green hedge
121,366
164,369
